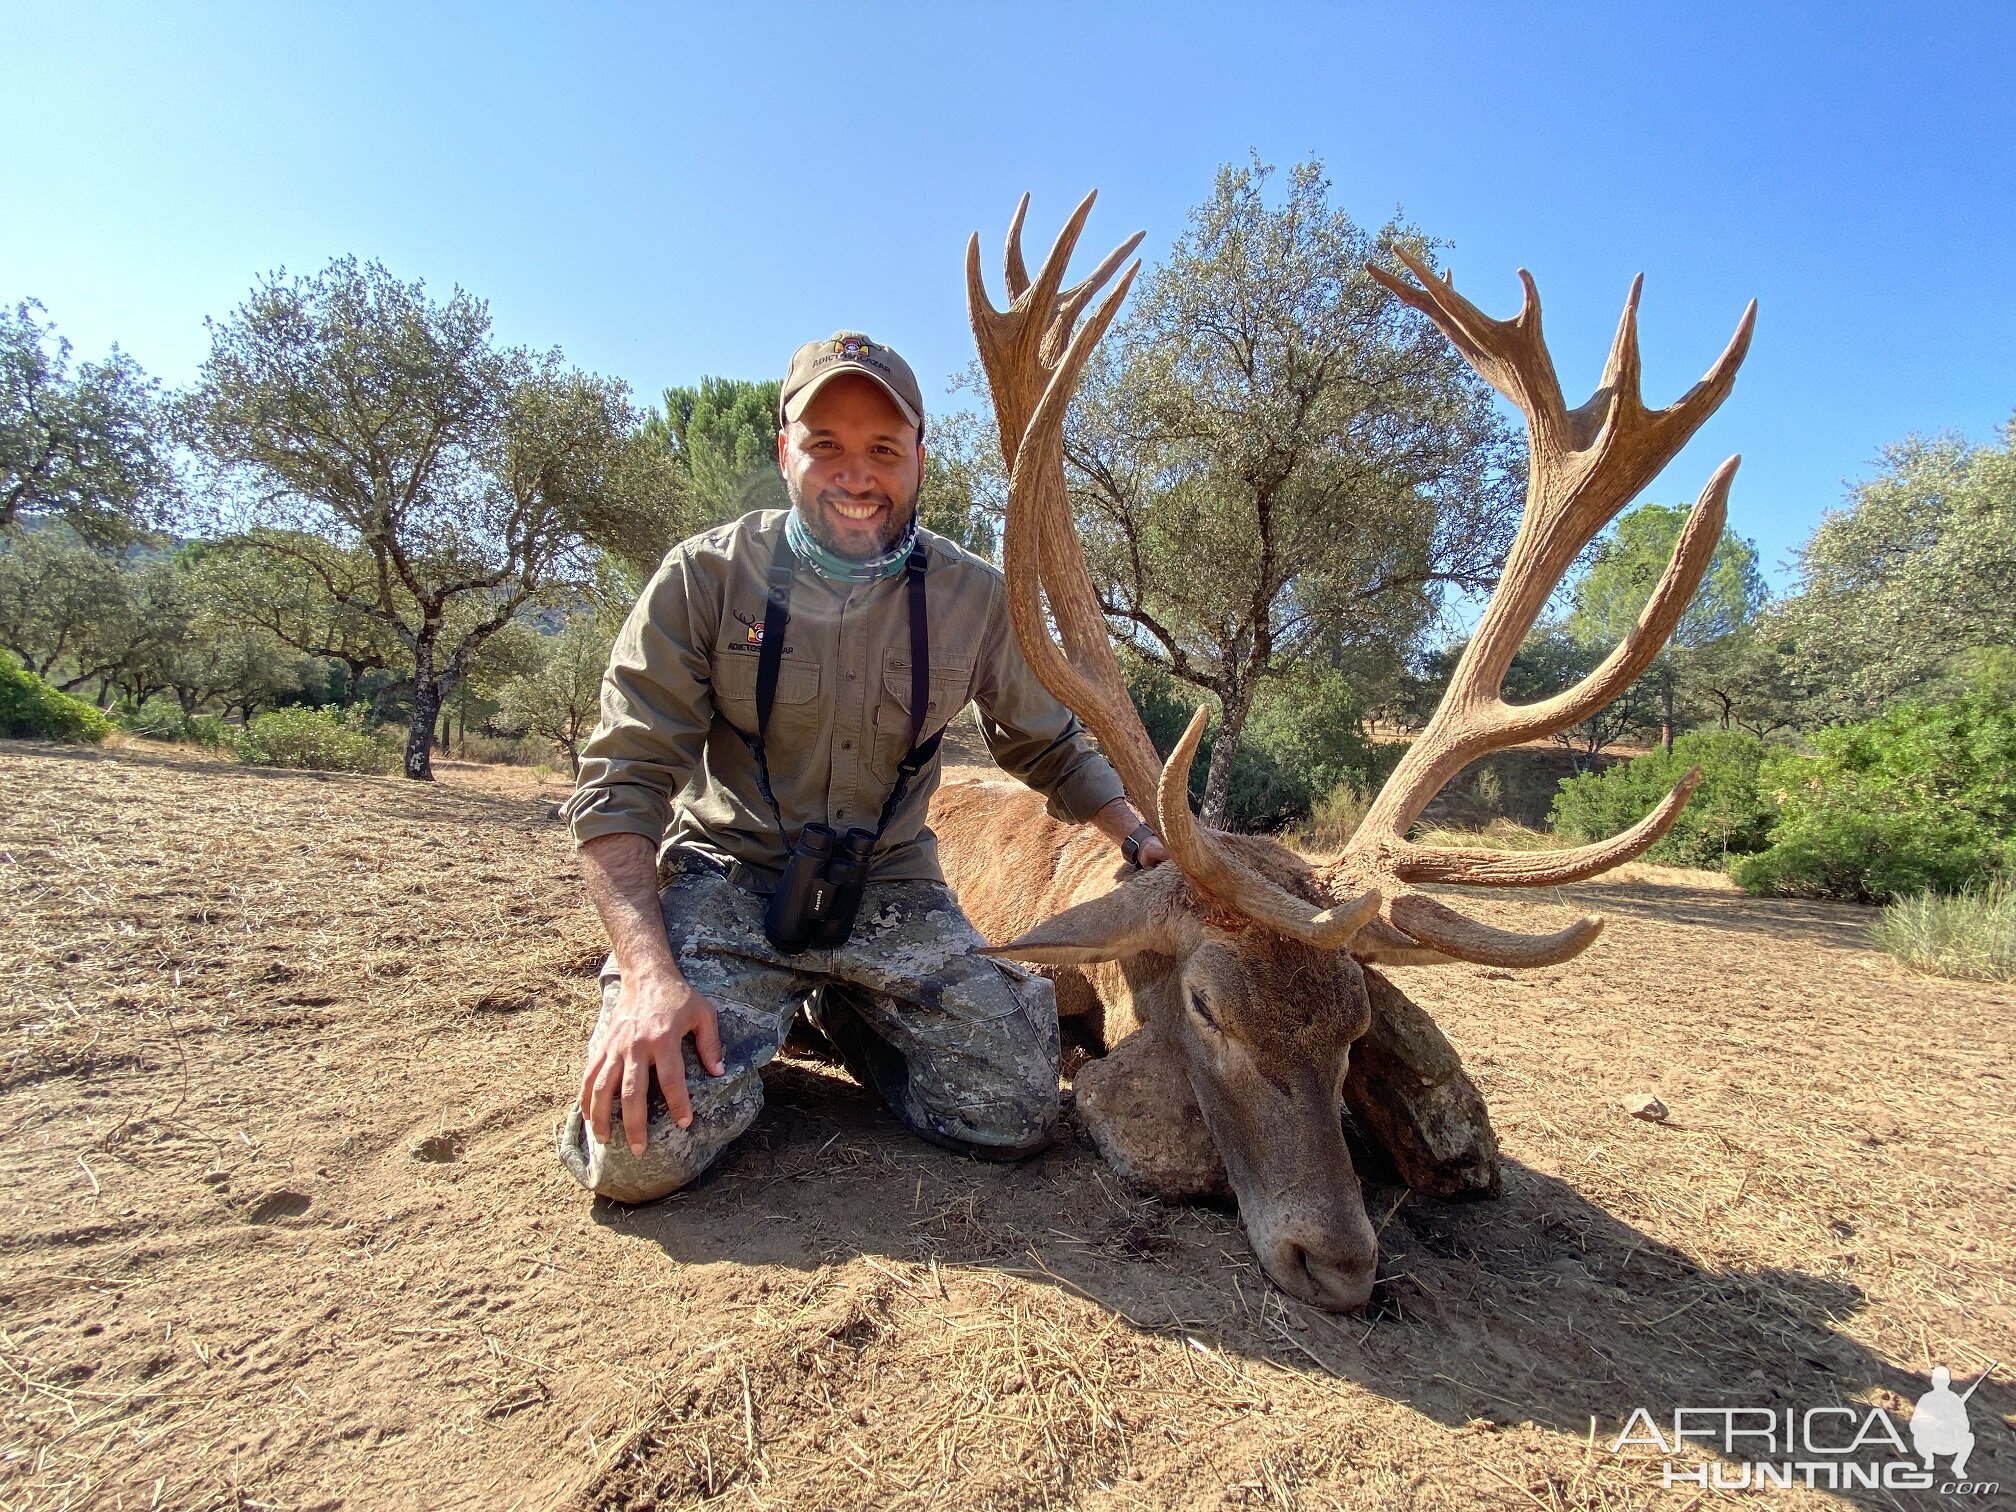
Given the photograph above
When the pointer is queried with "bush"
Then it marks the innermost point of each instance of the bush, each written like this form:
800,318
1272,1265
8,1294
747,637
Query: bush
1729,814
1922,798
323,740
1971,934
163,719
31,709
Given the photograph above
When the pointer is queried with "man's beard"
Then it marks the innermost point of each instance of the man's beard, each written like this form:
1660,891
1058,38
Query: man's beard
845,538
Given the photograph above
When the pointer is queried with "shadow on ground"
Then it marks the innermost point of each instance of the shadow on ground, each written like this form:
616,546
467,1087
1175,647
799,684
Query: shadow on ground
1536,1307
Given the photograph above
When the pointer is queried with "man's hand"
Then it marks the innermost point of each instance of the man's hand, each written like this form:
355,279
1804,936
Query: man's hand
655,1011
656,1007
1118,820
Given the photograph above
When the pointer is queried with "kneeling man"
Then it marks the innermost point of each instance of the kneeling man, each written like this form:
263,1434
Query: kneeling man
770,725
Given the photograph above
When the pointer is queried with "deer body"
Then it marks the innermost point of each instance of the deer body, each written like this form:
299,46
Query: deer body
1228,980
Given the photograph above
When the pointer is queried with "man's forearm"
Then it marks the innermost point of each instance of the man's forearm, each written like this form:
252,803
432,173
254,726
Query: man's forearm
621,873
1117,820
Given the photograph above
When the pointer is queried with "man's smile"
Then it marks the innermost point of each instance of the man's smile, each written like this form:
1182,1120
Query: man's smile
849,509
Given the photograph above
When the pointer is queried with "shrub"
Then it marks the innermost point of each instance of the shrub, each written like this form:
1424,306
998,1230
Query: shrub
1922,798
1970,934
31,709
323,740
1729,814
206,730
163,719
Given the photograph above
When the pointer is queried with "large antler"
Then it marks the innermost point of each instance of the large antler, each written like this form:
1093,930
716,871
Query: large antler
1033,357
1584,466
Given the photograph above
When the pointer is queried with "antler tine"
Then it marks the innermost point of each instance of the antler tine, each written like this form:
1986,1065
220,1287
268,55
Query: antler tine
1618,393
1677,585
1478,868
1022,345
1017,271
1042,294
1685,415
1584,466
1441,928
1073,299
1246,891
1510,355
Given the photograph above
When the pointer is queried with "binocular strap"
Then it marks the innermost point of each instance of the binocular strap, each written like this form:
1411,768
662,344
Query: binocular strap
770,656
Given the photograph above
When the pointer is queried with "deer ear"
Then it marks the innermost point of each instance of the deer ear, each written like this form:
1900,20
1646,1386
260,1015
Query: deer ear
1120,923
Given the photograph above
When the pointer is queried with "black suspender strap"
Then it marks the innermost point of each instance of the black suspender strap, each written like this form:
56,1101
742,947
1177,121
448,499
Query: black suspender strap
919,756
770,657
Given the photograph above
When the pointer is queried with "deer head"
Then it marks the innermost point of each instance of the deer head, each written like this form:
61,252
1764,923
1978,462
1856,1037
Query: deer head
1243,956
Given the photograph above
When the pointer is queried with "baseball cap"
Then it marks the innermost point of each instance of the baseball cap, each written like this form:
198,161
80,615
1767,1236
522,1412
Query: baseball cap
817,362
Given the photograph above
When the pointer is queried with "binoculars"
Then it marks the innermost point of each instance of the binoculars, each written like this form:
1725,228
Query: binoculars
820,892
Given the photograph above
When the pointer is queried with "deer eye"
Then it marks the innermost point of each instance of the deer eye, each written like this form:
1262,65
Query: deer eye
1203,1010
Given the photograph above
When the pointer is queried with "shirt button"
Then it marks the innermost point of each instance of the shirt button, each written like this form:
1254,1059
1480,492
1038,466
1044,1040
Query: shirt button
853,676
846,745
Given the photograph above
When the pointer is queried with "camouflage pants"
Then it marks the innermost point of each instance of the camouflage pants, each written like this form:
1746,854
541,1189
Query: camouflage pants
962,1047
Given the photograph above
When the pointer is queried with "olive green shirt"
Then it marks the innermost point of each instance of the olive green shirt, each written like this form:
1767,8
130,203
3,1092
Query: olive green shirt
666,761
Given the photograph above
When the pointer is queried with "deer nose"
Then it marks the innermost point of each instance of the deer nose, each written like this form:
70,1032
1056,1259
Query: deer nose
1325,1254
1326,1283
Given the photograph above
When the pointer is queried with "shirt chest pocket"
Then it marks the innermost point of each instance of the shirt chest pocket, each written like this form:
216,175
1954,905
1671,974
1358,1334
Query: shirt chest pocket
794,712
951,686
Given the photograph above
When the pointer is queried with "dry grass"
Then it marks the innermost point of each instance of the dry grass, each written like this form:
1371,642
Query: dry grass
283,1057
1968,935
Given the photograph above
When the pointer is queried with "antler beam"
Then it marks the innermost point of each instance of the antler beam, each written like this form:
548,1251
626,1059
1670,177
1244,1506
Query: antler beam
1033,353
1585,464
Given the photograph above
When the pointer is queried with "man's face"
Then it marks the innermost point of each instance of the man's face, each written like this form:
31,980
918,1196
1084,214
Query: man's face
853,467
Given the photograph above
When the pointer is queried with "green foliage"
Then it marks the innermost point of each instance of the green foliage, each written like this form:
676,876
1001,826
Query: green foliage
63,603
1921,797
322,740
1303,743
1920,566
1729,813
466,481
723,436
1274,463
1970,935
164,719
32,710
91,448
559,696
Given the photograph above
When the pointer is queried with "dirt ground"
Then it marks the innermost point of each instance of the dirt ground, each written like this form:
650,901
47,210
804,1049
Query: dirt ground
285,1052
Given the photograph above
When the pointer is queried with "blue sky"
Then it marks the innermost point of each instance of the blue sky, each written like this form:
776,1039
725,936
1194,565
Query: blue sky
669,191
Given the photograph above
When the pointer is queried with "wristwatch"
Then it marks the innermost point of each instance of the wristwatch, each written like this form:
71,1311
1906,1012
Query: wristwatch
1131,846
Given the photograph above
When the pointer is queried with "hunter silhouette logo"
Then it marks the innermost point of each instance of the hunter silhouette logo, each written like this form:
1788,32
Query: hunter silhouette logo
1939,1425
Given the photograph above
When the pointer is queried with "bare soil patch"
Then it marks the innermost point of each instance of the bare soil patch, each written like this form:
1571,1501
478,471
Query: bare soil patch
284,1054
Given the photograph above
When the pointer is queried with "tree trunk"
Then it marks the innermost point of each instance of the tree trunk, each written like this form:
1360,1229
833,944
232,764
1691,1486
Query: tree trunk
1218,780
426,709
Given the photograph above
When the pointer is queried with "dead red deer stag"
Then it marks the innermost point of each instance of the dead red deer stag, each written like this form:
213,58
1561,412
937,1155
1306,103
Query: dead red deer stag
1231,987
